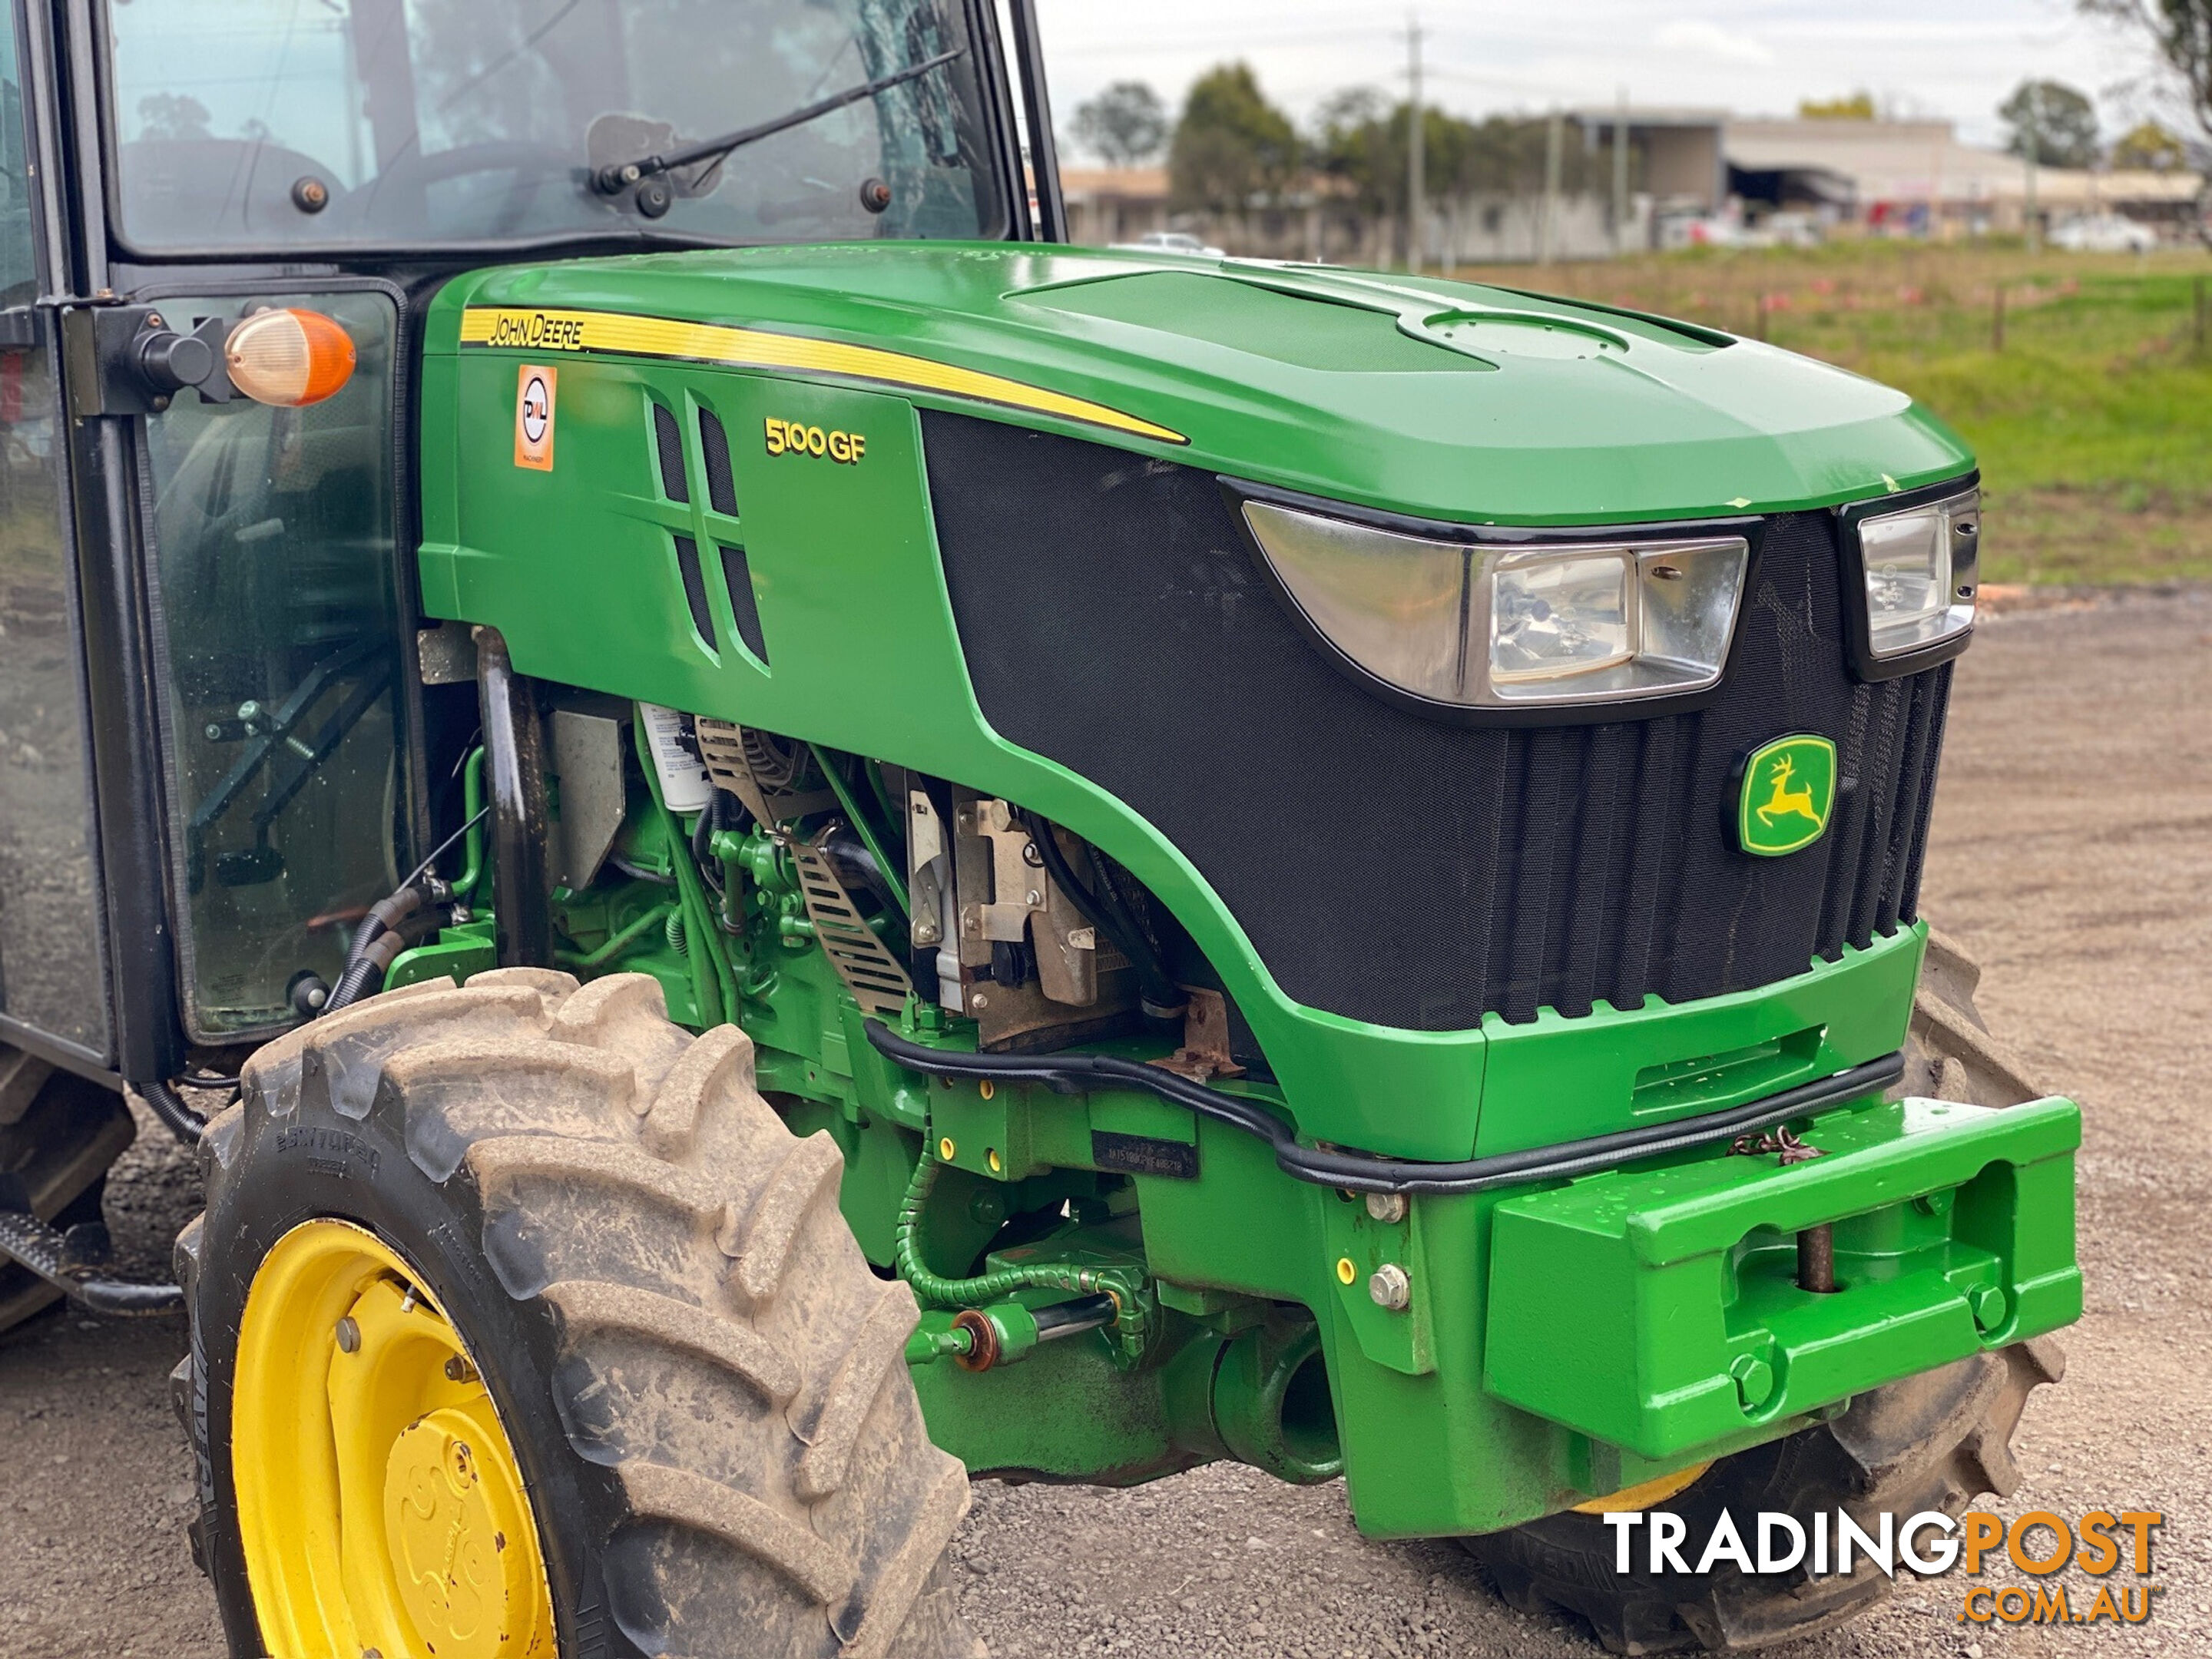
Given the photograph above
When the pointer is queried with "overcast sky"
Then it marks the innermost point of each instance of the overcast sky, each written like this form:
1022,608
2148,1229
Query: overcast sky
1951,58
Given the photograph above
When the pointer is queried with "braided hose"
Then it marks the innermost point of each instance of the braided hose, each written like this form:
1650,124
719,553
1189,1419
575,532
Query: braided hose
1124,1284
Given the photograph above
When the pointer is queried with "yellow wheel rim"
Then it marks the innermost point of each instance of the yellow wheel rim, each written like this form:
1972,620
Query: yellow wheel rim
1645,1494
379,1504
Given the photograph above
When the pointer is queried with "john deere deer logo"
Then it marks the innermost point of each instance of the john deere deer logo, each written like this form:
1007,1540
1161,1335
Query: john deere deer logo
1789,790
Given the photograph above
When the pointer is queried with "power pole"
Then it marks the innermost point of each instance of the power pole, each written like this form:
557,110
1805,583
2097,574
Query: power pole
1554,142
1620,174
2034,225
1416,200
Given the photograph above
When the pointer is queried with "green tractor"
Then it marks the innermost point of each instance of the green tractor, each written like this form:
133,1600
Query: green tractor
786,843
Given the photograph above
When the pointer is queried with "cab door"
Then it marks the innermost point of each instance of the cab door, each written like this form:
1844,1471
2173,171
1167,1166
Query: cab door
54,996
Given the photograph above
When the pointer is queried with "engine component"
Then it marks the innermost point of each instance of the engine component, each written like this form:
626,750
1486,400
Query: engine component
867,965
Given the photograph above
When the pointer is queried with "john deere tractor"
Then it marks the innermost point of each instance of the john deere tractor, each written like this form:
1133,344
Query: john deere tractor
787,844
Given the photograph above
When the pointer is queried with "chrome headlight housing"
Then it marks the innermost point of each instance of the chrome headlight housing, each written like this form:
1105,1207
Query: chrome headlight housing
1479,625
1918,571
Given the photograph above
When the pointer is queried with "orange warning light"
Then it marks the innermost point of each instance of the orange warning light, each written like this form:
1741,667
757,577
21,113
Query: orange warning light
289,358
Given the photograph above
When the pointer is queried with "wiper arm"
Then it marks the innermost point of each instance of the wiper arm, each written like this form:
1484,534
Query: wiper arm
617,177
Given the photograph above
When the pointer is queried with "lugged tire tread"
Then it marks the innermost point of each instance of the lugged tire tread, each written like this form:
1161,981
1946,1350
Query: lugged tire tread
679,1498
502,1164
679,1105
68,1138
899,1582
764,1239
589,1307
853,1387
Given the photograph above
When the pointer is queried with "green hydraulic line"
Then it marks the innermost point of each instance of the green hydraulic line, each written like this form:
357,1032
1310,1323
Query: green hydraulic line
1124,1284
896,882
712,986
659,916
472,804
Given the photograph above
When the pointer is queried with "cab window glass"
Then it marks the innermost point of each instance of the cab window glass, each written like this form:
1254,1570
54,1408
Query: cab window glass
278,619
401,123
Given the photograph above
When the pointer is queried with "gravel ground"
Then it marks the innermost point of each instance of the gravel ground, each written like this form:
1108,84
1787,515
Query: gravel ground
2069,855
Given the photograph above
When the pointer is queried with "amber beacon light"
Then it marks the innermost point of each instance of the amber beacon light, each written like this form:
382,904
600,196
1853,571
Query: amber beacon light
289,358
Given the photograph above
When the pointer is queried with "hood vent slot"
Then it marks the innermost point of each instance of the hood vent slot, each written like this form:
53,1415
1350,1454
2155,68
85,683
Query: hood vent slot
714,450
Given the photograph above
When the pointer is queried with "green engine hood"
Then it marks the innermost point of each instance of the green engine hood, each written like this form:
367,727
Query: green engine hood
1438,398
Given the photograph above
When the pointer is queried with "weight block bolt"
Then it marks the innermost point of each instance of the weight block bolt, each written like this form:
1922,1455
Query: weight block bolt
1988,1302
1754,1381
1391,1287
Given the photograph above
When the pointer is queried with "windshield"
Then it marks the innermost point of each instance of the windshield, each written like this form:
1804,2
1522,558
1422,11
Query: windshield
296,124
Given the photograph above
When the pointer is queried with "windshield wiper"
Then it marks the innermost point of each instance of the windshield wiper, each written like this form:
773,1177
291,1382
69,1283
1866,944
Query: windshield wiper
617,177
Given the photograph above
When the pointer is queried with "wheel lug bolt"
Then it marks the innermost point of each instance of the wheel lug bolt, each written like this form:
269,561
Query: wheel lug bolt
349,1336
459,1369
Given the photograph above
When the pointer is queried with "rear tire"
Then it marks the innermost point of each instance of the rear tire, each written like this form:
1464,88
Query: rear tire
1931,1442
703,1382
61,1150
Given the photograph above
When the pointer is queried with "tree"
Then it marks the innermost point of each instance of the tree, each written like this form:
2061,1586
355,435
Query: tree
1126,125
2152,147
1362,141
2051,122
2181,33
166,117
1232,148
1852,107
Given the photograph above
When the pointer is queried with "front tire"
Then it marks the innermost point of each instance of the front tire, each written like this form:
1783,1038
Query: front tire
1931,1442
625,1277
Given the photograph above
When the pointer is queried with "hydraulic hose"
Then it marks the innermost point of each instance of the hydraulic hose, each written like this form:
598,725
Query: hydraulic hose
178,1119
1125,1286
1366,1172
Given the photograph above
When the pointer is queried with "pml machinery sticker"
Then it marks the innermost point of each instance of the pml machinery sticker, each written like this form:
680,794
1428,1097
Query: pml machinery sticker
533,418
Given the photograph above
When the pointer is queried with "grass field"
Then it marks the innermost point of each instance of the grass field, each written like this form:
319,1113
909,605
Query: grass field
2093,419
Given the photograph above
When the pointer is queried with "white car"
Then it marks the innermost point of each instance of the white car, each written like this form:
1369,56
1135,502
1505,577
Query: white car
1171,242
2104,233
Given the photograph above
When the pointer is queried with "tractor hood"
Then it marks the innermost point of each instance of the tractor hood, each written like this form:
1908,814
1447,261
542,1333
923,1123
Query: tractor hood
1443,400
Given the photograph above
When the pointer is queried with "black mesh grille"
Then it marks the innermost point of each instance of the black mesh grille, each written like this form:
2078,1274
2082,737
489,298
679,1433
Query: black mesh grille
695,588
1391,867
745,606
668,439
714,450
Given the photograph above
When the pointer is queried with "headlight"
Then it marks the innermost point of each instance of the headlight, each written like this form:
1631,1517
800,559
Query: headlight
1920,567
1491,627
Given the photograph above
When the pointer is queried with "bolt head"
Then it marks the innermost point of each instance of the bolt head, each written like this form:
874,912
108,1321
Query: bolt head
1390,1286
1754,1381
1387,1207
1988,1305
457,1370
1033,897
979,1000
349,1336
